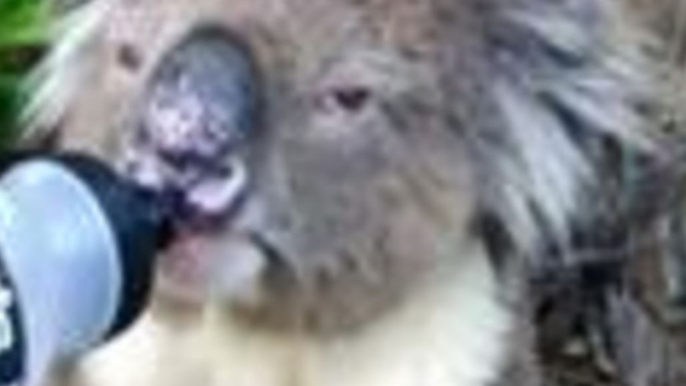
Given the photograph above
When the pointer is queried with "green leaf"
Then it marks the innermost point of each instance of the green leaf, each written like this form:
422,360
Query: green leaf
24,32
23,22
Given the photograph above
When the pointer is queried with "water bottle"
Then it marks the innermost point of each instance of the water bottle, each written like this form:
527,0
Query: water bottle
77,248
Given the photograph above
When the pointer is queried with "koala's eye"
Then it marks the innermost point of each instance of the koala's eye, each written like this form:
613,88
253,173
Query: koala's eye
359,81
344,98
352,99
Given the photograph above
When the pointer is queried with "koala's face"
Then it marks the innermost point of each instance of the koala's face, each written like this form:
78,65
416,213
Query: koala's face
322,157
304,147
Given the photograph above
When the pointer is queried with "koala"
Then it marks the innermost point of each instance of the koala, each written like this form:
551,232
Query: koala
361,189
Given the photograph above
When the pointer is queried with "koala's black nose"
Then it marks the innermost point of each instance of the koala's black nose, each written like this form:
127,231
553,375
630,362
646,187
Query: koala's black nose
203,97
198,107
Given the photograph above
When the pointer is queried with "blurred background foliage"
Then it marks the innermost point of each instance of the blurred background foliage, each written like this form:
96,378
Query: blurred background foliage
24,28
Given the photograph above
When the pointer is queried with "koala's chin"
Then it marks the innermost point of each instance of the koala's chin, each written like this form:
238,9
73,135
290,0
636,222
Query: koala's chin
458,306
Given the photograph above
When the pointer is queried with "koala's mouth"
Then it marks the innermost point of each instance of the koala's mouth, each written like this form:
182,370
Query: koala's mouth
199,263
201,208
274,255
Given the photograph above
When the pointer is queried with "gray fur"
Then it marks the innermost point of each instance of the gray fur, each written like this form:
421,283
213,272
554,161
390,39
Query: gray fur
513,114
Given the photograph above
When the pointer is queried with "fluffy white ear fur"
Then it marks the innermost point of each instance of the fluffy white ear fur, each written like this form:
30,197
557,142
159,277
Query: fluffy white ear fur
453,332
54,83
567,74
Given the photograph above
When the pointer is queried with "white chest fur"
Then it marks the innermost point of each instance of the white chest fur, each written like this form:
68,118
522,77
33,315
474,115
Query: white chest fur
452,333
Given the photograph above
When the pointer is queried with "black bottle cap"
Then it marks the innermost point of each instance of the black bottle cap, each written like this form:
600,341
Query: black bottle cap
140,224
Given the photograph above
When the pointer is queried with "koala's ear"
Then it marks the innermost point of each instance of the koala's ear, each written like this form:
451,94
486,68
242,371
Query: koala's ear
571,90
56,80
